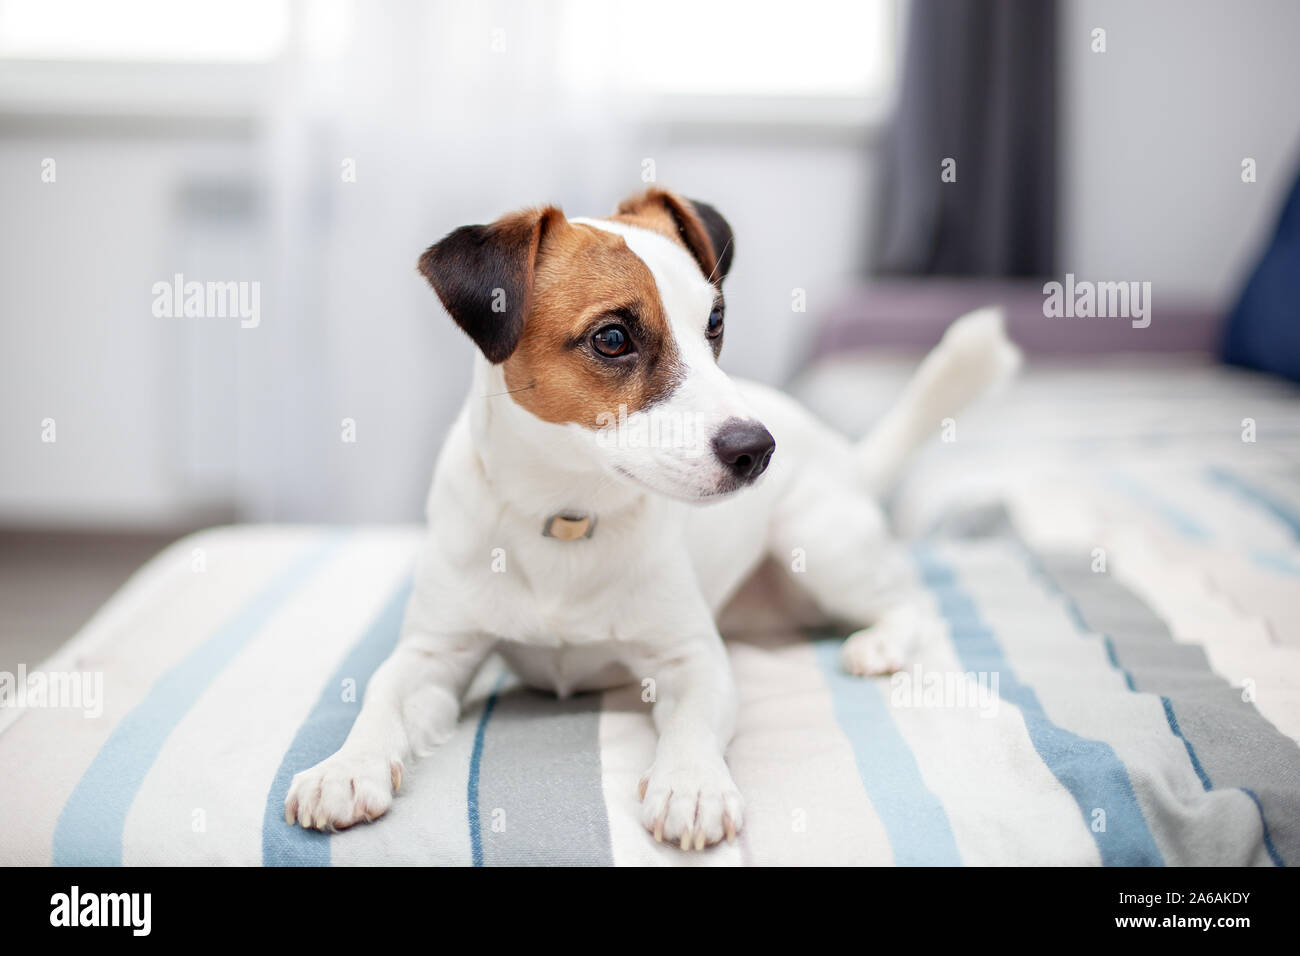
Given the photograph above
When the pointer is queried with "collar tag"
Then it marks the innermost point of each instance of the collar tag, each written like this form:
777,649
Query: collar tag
567,526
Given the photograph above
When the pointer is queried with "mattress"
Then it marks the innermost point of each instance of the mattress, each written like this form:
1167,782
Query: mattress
1111,674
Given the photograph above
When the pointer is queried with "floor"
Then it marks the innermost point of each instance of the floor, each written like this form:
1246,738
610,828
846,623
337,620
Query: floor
52,582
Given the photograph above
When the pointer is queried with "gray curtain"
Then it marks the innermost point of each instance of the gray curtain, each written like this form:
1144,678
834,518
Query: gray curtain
979,87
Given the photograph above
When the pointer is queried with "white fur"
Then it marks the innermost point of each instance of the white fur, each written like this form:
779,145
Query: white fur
639,599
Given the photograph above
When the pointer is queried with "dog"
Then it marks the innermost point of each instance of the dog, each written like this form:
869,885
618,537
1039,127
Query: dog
607,488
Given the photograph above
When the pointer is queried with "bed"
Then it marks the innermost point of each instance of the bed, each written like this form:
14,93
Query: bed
1110,556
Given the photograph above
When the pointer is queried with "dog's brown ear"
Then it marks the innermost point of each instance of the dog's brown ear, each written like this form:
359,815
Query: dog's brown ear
698,225
484,276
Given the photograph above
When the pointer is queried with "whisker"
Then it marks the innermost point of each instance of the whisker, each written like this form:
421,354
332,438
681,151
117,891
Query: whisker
718,265
511,391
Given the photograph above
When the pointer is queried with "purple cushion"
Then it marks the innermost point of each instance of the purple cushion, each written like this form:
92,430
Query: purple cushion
913,314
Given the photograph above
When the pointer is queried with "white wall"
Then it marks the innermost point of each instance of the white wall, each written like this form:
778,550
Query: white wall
79,343
1154,131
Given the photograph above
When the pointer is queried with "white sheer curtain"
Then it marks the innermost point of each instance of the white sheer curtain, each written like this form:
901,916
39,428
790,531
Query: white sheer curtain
442,114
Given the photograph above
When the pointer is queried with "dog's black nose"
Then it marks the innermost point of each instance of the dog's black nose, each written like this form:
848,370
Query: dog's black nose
745,447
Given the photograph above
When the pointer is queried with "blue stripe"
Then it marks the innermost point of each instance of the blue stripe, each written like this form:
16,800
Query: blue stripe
1268,840
1111,656
1042,575
1183,522
89,830
1089,769
1256,496
1044,578
913,816
475,766
1048,583
1191,751
322,733
1278,561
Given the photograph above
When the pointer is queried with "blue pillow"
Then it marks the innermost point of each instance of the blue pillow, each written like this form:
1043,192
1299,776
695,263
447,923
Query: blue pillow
1264,328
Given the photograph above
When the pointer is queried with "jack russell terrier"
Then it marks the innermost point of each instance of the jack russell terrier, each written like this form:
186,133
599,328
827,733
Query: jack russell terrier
597,426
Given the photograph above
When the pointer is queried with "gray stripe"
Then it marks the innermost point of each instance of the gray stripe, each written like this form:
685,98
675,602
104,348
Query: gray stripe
540,795
1233,743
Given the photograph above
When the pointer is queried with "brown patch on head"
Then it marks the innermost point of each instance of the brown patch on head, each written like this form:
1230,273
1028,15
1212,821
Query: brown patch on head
585,279
696,226
532,289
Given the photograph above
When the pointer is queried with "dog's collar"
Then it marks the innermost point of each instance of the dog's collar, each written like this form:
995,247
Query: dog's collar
569,526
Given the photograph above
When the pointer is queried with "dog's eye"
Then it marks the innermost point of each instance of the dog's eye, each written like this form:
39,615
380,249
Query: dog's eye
714,328
612,341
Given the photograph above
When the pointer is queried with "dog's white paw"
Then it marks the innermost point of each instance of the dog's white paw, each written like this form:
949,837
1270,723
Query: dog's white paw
869,654
884,647
342,790
692,803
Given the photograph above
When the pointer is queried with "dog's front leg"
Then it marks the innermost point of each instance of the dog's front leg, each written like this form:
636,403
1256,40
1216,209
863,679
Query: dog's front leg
411,705
688,796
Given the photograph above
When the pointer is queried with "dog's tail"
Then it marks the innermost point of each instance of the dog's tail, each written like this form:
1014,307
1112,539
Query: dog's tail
973,357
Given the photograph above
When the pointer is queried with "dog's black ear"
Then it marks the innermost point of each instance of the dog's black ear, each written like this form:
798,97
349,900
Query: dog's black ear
700,227
484,276
720,235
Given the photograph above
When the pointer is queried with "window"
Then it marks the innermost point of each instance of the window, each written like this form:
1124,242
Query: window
194,31
729,50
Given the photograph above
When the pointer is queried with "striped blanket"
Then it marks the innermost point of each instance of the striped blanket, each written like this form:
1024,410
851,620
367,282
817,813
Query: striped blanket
1111,676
